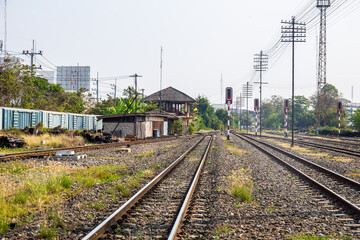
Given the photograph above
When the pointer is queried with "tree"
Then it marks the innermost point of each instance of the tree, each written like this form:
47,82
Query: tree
19,89
331,98
303,116
356,119
207,116
131,103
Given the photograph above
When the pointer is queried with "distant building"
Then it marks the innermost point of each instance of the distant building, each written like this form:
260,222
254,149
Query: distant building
73,78
350,108
49,75
11,59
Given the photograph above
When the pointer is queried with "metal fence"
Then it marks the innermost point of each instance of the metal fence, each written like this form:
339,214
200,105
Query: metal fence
20,118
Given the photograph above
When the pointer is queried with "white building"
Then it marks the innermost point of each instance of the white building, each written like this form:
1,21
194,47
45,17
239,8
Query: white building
11,59
74,77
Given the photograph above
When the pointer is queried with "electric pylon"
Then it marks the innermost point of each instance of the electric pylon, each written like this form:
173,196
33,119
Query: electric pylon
321,86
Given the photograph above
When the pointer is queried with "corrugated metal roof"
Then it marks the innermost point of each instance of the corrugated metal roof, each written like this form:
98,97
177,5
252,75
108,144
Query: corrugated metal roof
152,114
170,94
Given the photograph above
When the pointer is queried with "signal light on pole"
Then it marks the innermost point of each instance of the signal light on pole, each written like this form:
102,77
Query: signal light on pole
228,95
256,104
286,103
286,109
256,109
228,100
339,105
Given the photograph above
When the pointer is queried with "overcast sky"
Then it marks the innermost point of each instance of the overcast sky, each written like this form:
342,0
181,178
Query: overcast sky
202,39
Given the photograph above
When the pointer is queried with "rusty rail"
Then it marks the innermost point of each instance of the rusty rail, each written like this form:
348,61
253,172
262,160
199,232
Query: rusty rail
355,209
186,203
111,220
322,146
41,153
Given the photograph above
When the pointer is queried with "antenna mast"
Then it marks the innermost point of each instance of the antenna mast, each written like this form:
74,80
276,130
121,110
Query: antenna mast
321,88
161,67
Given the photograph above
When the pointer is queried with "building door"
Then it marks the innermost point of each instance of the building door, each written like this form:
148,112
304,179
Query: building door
166,127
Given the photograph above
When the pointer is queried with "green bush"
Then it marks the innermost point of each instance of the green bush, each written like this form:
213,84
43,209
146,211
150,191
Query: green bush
242,193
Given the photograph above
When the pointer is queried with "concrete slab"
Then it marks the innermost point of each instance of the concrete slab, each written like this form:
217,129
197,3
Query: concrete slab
70,158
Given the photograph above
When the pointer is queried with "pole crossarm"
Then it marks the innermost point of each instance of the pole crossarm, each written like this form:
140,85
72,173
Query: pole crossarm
32,53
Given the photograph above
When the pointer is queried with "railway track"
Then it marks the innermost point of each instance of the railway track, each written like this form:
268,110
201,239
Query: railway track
48,152
346,142
340,189
321,146
159,208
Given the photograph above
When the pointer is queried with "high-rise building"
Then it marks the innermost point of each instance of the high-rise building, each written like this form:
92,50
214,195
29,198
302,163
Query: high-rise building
74,77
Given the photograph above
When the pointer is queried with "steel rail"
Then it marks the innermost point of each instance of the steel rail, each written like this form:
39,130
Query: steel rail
322,146
186,203
355,209
314,165
111,220
41,153
299,137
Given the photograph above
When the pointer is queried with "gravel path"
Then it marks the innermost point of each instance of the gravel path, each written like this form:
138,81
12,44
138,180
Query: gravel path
80,213
154,215
283,204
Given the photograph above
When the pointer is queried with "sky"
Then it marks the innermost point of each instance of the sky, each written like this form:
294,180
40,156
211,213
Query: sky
202,40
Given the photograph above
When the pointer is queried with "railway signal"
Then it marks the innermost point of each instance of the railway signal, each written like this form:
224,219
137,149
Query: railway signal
286,109
228,101
340,107
256,109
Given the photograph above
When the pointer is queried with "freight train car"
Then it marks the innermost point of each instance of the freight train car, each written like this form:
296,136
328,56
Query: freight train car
20,118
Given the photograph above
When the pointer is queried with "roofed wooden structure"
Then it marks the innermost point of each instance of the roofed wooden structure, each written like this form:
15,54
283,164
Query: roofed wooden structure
170,94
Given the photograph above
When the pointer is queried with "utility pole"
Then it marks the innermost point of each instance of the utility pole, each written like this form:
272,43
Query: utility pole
161,68
261,65
32,53
352,100
241,104
115,92
135,76
78,78
5,25
221,87
293,32
322,5
247,93
97,87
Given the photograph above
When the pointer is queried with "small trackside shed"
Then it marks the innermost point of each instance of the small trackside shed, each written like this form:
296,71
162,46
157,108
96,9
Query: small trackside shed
140,124
176,103
21,118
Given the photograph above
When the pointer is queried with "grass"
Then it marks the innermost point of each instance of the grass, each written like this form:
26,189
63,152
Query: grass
47,232
132,182
220,229
99,205
307,236
44,185
313,153
147,154
236,150
51,141
55,141
241,185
